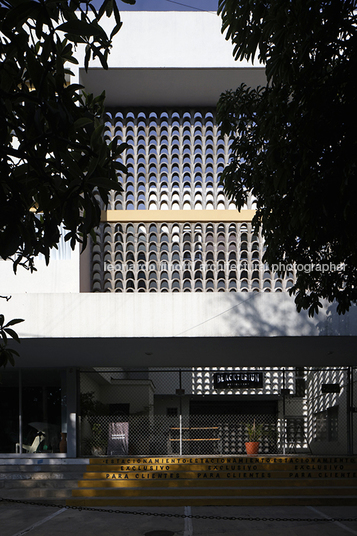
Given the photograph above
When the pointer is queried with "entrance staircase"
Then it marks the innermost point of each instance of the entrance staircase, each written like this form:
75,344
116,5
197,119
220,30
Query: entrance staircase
219,481
40,480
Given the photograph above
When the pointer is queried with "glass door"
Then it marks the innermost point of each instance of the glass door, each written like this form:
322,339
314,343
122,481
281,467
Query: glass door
9,412
33,411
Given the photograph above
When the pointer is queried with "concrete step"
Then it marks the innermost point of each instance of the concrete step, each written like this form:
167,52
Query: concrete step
39,477
68,483
40,468
33,479
43,494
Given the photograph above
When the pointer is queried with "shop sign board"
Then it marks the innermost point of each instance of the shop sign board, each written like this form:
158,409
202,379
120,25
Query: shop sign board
236,380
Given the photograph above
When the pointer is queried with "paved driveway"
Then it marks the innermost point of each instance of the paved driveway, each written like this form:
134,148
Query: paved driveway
20,519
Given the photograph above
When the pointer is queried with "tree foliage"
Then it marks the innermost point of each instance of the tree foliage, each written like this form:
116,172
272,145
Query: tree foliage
293,141
55,164
56,167
6,331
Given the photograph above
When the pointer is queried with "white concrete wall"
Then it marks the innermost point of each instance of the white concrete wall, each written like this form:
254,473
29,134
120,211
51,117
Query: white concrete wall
168,59
59,276
169,39
172,315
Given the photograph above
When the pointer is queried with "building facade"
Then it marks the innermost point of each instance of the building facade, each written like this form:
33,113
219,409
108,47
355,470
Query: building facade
169,331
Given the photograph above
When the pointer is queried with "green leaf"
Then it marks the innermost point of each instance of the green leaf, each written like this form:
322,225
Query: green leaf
72,88
87,57
97,136
82,28
12,334
82,122
17,15
115,30
14,321
120,167
36,72
105,183
106,7
92,167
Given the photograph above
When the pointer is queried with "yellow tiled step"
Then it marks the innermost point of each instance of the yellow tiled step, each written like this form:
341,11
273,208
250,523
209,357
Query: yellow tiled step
218,480
207,475
282,500
204,492
182,460
213,483
266,467
210,460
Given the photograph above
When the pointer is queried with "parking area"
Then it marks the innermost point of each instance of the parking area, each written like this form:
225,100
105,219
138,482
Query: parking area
20,519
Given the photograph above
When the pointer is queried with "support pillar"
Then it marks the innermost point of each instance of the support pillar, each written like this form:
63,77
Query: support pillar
72,419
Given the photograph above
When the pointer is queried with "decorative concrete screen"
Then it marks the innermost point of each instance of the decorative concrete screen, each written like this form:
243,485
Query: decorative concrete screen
173,257
174,163
174,160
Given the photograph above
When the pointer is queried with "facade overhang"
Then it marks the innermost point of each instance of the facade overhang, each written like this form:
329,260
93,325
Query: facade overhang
167,87
179,329
188,352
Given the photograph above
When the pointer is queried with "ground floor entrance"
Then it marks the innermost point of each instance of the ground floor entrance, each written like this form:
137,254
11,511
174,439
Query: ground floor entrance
203,411
117,411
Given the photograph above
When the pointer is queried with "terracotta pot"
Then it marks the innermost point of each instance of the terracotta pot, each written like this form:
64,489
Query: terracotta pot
252,447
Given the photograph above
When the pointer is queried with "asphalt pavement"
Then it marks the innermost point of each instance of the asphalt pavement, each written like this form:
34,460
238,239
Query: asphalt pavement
33,520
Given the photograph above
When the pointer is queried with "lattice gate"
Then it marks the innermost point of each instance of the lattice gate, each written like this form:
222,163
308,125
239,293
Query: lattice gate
186,412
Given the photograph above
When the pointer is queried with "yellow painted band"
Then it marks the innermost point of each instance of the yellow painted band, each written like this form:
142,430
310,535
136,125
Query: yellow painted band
112,216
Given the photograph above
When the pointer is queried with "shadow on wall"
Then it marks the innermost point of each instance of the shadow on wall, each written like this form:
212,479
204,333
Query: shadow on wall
333,324
252,315
269,315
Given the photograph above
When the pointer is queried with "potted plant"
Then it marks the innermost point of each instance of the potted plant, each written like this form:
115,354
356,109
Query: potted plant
99,443
254,432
